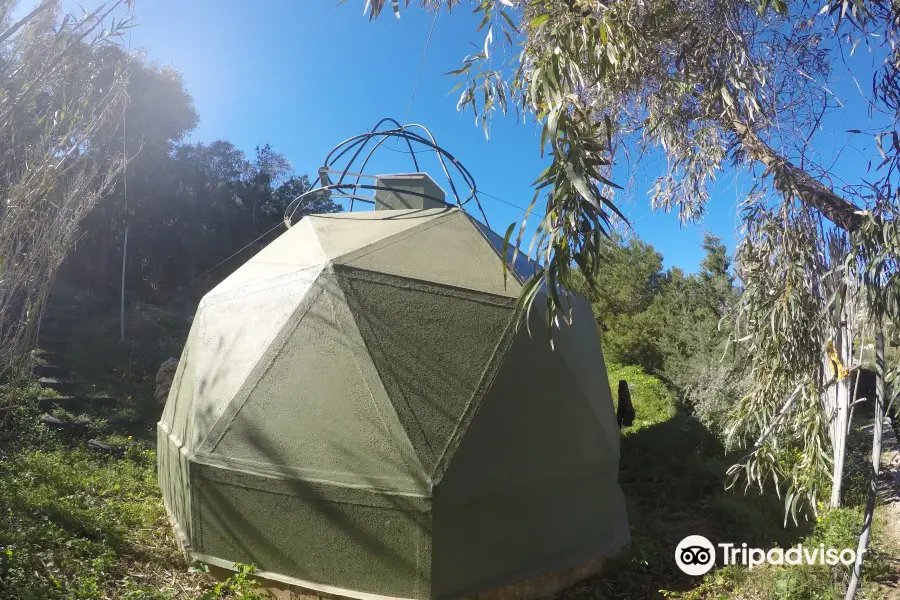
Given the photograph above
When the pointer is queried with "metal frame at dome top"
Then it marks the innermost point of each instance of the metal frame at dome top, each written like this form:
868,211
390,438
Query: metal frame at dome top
348,151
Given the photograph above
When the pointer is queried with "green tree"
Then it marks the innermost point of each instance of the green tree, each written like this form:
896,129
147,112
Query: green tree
628,279
700,362
159,114
715,272
668,323
187,207
187,212
631,274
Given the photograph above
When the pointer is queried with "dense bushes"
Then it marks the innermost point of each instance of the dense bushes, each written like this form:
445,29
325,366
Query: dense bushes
714,395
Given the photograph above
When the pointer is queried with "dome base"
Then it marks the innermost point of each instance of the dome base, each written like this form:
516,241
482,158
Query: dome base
543,586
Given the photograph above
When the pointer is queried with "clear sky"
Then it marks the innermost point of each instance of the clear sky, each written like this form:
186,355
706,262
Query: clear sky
305,74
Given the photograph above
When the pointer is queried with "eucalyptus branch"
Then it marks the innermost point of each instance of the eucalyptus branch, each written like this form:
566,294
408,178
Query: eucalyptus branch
773,425
794,181
706,84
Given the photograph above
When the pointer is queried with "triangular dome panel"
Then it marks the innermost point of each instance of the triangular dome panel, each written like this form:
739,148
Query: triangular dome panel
343,233
579,347
297,248
534,452
534,408
431,345
436,252
234,330
178,412
318,411
522,266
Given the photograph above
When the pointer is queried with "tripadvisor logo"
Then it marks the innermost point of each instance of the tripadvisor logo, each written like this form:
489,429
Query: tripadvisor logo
696,555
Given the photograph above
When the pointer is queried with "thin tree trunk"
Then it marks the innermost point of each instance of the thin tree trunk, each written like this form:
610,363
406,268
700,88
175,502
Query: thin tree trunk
871,493
837,399
840,428
834,401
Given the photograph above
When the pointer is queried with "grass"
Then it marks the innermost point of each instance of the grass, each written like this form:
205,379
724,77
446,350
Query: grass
81,525
838,528
84,526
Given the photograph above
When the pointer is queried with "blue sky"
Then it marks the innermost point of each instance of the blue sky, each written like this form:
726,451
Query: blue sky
305,74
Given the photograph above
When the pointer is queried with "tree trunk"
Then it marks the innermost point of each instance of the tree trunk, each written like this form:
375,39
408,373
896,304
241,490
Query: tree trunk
837,398
840,425
871,493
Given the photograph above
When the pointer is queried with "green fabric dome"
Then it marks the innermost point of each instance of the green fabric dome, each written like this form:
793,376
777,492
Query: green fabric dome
355,413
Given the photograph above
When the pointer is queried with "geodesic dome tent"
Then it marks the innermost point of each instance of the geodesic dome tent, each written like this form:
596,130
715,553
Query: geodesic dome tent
356,413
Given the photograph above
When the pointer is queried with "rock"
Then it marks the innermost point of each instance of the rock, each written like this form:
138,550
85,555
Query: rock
164,378
52,421
49,357
56,423
66,402
98,446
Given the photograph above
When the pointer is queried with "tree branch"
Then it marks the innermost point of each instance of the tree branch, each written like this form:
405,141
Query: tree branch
773,425
809,190
24,20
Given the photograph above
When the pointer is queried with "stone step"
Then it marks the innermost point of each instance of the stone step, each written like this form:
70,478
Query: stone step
52,344
98,446
100,402
63,424
71,402
53,371
121,421
64,402
51,421
49,357
59,385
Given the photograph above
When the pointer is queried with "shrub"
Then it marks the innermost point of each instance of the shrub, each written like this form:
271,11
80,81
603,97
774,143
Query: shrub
835,528
19,415
713,396
238,585
633,340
